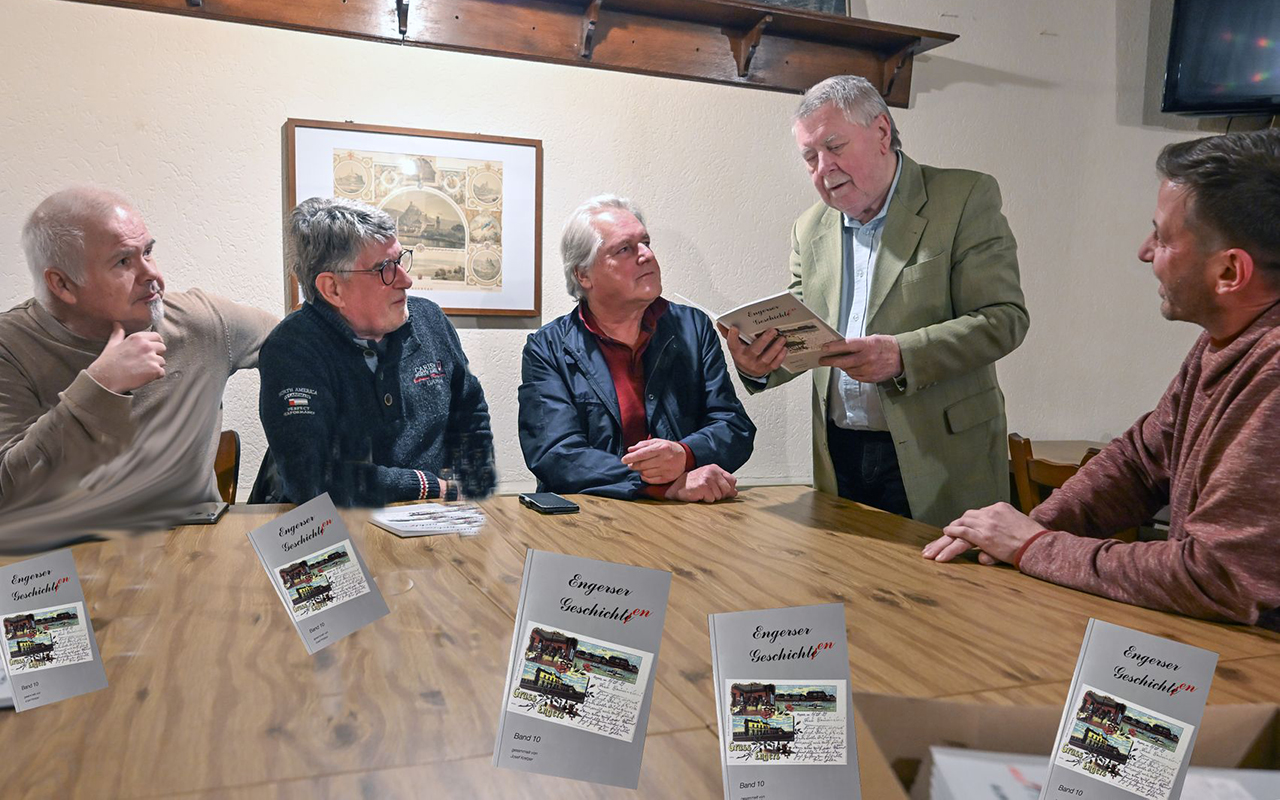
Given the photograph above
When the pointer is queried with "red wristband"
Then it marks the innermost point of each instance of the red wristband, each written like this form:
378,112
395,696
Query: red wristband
657,491
1017,557
690,461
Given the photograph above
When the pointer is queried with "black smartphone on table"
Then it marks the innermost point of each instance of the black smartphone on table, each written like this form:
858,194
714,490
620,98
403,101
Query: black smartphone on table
548,503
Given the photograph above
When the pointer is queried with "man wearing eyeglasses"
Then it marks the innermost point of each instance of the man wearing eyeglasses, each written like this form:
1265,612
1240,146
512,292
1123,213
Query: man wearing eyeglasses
365,391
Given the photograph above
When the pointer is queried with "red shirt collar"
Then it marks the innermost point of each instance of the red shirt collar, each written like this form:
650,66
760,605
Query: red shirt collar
648,323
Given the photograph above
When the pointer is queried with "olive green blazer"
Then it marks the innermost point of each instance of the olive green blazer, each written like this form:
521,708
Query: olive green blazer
945,284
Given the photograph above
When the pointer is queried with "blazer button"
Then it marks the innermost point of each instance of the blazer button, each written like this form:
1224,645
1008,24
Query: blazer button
387,398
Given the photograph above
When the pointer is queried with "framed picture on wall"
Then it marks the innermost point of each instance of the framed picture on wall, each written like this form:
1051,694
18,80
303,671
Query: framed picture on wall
468,205
837,7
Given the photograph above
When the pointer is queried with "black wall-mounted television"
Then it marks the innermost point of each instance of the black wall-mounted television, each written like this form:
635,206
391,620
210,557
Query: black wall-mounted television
1224,57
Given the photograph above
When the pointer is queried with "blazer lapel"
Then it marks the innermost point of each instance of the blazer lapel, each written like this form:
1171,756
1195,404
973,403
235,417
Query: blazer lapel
902,231
822,285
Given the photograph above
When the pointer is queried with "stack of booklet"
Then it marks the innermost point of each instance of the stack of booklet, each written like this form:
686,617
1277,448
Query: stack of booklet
429,519
783,705
1132,715
580,675
50,652
318,574
976,775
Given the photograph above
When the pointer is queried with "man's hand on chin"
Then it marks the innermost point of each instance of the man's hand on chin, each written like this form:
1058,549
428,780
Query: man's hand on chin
999,531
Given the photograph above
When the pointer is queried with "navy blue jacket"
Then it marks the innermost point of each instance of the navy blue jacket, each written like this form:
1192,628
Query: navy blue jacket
363,436
570,424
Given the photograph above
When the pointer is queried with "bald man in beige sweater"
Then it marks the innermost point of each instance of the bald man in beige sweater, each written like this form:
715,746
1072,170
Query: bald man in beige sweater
110,387
1209,449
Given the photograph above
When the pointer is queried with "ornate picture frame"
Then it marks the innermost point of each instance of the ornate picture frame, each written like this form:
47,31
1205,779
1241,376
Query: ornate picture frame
468,205
839,8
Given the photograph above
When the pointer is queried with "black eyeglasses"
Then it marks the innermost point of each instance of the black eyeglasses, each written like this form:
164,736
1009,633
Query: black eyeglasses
387,269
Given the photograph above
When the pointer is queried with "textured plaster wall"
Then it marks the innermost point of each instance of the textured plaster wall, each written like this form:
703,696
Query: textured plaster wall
185,116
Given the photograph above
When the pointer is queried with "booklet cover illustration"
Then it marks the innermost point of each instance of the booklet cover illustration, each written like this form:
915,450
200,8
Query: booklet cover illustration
781,678
1123,743
317,573
324,579
573,680
46,638
803,331
580,676
50,652
1131,717
777,721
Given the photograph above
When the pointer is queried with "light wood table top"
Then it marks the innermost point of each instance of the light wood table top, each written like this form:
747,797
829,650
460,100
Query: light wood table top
212,694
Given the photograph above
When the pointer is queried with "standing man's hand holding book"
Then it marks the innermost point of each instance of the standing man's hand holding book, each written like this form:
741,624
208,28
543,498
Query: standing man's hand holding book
870,359
760,357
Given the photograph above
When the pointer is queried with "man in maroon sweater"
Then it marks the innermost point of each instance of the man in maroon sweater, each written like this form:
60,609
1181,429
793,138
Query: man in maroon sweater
1209,449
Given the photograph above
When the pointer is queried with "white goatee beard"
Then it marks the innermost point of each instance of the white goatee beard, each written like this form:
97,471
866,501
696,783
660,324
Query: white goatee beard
156,309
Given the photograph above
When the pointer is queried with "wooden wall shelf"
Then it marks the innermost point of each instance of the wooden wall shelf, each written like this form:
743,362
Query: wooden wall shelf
718,41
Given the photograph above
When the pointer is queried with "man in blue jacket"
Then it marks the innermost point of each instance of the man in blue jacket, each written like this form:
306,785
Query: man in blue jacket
365,391
627,395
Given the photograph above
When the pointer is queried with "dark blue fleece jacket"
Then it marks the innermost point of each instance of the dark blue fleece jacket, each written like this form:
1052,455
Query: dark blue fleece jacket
372,437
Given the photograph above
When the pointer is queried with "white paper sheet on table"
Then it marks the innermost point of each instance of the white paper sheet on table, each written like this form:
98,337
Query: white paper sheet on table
430,519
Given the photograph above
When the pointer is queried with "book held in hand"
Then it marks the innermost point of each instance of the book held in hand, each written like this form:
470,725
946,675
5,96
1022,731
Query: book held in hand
50,652
580,675
317,573
1131,716
805,331
781,678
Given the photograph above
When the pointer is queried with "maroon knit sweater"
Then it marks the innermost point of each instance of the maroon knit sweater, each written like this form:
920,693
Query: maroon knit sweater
1211,450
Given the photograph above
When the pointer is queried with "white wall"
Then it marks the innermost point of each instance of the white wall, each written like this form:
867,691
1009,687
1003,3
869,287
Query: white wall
185,115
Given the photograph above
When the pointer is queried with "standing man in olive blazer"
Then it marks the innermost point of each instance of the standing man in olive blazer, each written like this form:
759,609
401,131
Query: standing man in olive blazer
918,269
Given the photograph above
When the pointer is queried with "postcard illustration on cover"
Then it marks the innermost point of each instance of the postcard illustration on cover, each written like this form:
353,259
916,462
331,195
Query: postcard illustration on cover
584,683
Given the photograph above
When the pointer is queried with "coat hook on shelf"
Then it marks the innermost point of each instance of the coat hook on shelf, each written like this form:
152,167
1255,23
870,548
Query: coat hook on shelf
589,19
402,13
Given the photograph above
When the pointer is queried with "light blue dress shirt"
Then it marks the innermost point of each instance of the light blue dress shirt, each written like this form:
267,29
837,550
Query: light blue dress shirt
853,404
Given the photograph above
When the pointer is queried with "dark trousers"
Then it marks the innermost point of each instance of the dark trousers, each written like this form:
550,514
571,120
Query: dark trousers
867,469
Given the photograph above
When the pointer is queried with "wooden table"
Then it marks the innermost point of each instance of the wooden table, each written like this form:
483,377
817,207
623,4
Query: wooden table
212,694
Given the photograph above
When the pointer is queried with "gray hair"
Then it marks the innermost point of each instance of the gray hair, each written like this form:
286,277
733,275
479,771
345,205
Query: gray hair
326,234
53,236
580,241
855,96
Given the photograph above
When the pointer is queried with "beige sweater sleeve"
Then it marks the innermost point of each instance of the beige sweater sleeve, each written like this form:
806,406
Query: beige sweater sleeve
244,328
45,453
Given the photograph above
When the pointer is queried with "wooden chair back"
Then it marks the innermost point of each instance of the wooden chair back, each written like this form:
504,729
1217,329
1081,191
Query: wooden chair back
226,465
1034,477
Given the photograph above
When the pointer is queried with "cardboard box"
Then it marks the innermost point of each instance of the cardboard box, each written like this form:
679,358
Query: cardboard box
895,733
